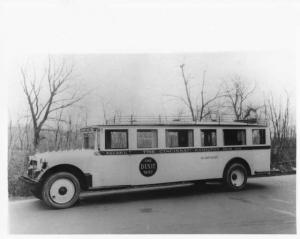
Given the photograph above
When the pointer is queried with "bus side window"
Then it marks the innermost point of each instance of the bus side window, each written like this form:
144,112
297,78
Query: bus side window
208,137
179,138
116,139
234,136
146,138
258,136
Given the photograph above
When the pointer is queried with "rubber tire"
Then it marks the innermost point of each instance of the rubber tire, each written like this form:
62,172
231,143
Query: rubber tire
227,177
47,185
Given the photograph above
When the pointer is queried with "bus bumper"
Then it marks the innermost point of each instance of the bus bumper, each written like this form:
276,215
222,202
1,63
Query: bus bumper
35,186
28,180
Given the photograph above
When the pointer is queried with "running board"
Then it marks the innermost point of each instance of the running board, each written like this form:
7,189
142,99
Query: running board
128,189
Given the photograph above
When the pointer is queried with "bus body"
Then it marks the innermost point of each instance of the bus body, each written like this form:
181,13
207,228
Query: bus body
127,155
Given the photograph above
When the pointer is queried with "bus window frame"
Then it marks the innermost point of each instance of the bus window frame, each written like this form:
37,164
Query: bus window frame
209,129
117,130
234,129
143,129
265,137
180,129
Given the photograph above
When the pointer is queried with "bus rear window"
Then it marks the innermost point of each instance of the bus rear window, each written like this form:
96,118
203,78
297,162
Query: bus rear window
116,139
146,138
258,136
208,137
179,138
234,136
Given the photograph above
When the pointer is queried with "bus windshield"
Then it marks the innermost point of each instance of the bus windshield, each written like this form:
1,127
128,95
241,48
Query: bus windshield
88,140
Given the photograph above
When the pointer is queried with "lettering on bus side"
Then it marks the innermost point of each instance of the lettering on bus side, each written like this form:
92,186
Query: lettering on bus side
148,167
209,157
187,150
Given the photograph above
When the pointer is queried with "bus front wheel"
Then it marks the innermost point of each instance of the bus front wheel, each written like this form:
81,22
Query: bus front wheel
236,177
61,190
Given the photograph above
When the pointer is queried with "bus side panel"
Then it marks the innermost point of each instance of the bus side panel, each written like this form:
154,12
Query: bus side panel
111,170
260,161
173,167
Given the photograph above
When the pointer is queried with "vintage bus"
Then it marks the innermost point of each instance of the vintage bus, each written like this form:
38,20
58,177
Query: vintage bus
139,154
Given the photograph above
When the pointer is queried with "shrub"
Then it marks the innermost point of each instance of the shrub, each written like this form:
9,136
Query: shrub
16,168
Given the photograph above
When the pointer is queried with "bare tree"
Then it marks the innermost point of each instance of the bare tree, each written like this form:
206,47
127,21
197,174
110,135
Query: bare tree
238,93
180,113
11,135
58,79
69,133
57,131
21,133
27,135
104,107
199,109
77,127
279,117
283,134
117,115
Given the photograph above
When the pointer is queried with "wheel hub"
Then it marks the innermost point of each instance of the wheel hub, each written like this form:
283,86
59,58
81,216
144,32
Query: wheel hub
237,178
62,190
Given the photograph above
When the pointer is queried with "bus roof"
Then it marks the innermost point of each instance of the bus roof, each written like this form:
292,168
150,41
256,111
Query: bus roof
211,124
171,121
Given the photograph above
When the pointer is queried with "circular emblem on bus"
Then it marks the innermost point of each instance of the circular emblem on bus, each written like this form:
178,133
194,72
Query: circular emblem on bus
148,167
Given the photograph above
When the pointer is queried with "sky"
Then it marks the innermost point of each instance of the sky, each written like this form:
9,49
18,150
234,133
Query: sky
255,39
141,84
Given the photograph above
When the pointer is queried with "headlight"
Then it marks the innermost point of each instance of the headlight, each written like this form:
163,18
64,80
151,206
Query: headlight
33,164
43,163
32,169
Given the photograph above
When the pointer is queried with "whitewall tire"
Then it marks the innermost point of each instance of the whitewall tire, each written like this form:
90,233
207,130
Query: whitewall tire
236,177
61,190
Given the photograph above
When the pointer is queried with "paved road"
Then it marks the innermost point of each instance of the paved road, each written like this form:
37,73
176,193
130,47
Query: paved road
268,205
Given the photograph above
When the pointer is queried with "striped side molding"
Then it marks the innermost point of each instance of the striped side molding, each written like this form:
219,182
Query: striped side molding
180,150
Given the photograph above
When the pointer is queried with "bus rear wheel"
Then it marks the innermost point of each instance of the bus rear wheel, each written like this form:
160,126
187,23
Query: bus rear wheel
61,190
236,177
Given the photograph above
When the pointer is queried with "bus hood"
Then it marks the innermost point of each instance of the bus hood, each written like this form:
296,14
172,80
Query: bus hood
62,155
